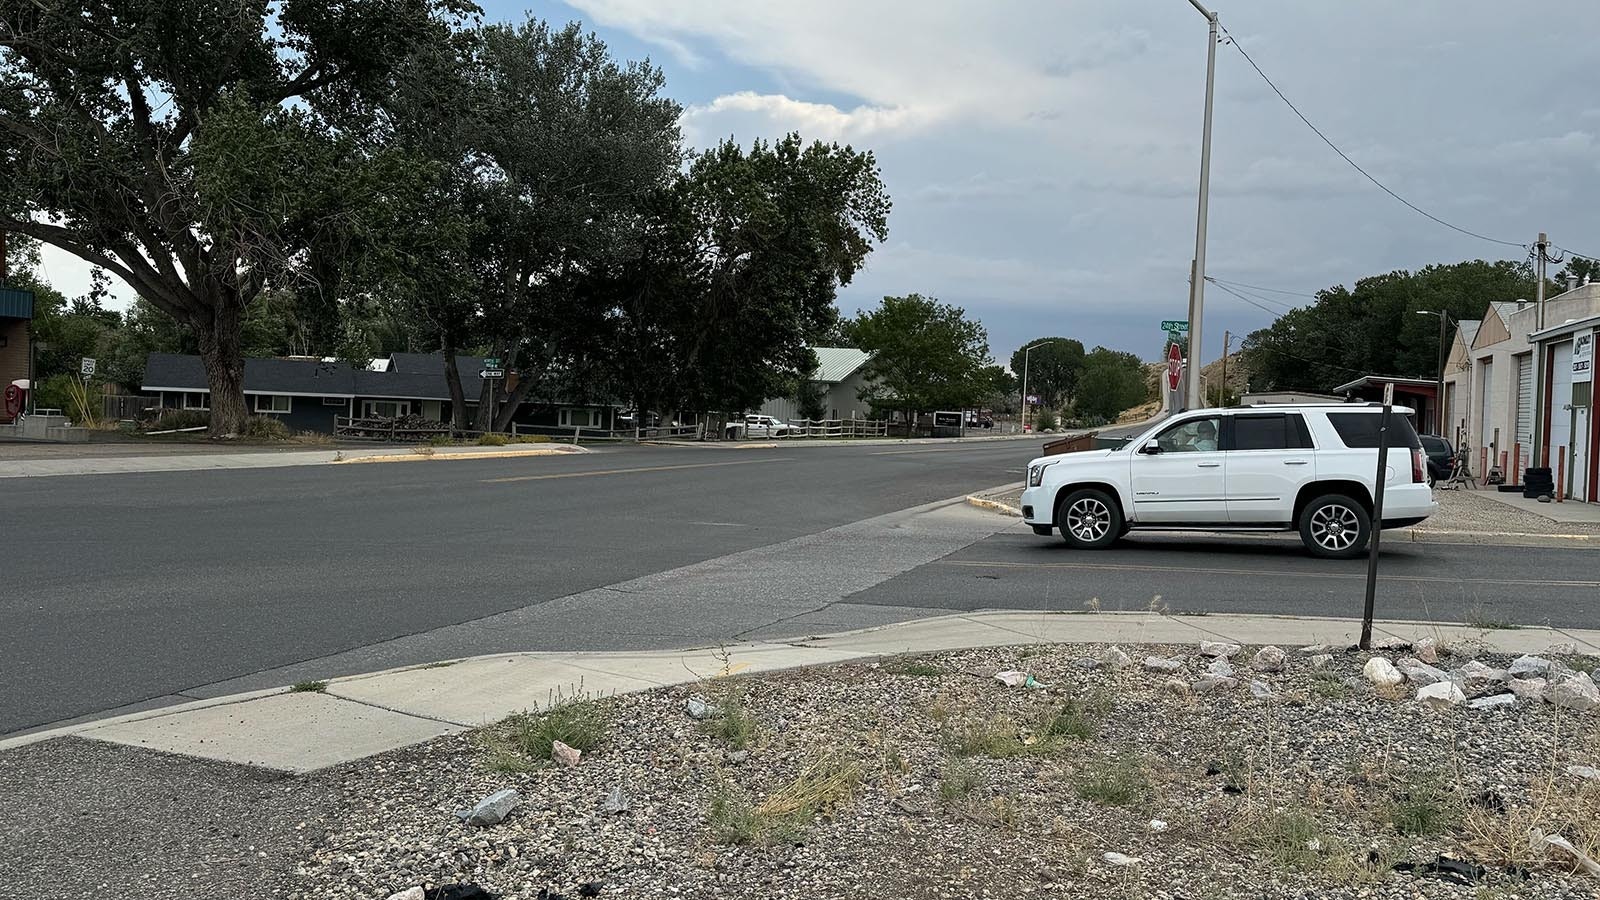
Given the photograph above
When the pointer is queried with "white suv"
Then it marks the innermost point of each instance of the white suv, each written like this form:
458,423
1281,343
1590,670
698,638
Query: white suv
756,425
1283,468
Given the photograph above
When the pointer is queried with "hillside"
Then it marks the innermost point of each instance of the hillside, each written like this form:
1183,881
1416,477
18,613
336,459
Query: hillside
1155,377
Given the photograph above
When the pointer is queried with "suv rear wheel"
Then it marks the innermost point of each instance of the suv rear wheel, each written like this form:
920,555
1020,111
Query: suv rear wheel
1089,520
1335,526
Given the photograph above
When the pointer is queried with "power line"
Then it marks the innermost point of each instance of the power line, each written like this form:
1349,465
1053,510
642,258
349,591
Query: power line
1253,294
1344,156
1272,312
1256,287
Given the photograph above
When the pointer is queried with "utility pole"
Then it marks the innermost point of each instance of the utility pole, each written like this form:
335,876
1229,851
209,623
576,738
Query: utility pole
1539,248
1222,396
1438,399
1197,286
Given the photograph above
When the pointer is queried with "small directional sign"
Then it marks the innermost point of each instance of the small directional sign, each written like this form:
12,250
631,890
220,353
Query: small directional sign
1175,326
491,373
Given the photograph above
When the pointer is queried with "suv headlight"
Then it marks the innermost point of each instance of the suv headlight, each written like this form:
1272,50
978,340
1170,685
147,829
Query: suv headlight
1036,473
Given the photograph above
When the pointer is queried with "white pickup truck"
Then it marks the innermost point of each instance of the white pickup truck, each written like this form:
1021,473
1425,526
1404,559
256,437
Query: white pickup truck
1306,468
755,426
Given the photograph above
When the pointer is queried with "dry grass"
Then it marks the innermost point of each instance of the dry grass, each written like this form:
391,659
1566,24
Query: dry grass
827,782
732,725
1119,780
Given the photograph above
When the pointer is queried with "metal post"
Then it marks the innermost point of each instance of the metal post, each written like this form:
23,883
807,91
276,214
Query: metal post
1377,520
1538,356
1025,352
1197,289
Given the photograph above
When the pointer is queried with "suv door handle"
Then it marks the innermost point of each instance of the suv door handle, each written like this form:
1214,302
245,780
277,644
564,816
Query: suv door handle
1296,462
1208,465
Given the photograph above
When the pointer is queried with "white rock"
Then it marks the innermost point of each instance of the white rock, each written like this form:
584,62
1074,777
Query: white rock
1475,672
1011,678
1209,683
1120,859
1380,671
1314,649
1524,666
410,893
492,809
617,802
1220,667
1260,689
1588,772
1493,701
1441,694
1087,662
1160,664
1116,659
1268,659
1574,692
1527,688
1562,648
1420,672
1426,649
698,708
1157,826
1220,649
567,756
1321,660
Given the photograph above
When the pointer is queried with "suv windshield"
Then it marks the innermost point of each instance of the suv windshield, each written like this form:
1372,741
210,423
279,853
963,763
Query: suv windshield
1360,429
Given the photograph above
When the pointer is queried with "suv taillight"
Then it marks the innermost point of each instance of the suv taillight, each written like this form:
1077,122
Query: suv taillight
1417,476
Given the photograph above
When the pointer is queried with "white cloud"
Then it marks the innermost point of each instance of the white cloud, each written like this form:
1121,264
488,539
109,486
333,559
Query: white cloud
748,111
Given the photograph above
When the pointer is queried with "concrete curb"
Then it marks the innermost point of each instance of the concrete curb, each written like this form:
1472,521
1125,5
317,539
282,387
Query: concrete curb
363,715
413,456
1004,509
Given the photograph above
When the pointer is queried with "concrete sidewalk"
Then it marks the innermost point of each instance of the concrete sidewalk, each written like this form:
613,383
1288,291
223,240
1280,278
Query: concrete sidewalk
192,462
364,715
1570,511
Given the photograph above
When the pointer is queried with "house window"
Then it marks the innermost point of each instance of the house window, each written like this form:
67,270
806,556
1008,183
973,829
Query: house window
197,401
334,401
581,418
385,409
272,403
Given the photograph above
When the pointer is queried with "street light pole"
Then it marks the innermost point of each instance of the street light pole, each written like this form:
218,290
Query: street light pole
1197,286
1025,351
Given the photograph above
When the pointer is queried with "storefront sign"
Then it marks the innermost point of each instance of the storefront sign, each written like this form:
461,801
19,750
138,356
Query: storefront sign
1582,357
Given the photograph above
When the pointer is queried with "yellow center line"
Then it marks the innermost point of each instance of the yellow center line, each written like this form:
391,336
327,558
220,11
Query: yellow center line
1110,567
591,472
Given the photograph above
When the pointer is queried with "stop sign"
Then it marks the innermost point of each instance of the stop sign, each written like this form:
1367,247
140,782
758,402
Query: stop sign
1174,366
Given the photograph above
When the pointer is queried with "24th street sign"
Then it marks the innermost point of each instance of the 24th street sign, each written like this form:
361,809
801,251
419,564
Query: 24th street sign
1175,326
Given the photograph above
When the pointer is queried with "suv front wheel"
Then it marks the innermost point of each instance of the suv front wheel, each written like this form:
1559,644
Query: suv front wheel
1335,526
1089,520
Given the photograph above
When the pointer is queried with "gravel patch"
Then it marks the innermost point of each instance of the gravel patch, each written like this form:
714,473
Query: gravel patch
1470,511
930,778
87,819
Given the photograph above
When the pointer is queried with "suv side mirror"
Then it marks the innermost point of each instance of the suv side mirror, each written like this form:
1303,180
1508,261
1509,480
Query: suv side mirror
1151,447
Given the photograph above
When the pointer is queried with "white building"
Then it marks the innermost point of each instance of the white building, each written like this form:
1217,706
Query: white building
1489,379
840,373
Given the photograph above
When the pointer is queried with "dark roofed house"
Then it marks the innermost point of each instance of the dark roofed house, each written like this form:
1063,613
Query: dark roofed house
308,394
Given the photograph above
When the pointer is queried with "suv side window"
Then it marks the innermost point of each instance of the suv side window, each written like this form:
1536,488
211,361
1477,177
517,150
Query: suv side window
1360,429
1273,431
1193,436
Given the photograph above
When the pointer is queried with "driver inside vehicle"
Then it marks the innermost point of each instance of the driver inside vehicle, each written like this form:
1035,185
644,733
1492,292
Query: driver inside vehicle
1198,436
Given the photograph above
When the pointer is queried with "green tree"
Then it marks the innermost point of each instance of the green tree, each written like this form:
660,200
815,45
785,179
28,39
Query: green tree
733,271
1580,268
1053,367
204,152
1111,382
927,355
1001,388
1375,328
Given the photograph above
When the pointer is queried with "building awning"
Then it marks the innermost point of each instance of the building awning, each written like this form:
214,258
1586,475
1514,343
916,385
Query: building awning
16,303
1564,329
1381,380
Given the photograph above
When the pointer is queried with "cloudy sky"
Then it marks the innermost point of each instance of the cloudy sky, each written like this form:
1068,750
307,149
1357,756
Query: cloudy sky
1043,156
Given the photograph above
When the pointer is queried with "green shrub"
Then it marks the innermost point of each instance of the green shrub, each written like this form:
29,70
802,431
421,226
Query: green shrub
1045,421
531,439
441,440
59,392
493,440
1117,781
580,723
265,428
174,419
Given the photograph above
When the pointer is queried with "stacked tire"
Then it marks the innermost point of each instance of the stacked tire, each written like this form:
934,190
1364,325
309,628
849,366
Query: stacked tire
1538,482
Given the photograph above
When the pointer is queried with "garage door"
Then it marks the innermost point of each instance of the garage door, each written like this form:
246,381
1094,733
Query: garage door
1524,403
1560,397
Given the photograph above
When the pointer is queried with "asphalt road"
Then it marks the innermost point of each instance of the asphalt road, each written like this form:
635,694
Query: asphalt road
126,591
1239,573
123,591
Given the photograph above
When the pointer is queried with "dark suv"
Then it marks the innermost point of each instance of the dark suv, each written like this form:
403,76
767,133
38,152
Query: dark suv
1440,454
